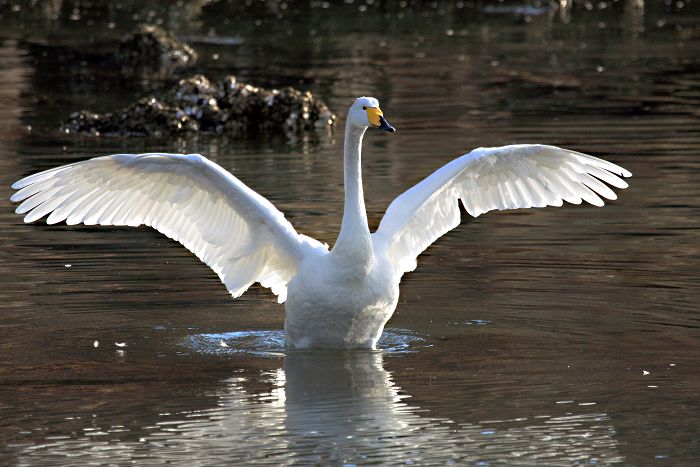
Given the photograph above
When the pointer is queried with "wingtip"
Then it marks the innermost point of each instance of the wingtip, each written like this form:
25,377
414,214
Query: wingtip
619,170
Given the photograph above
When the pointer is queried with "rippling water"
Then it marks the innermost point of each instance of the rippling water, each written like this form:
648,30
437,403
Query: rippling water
546,337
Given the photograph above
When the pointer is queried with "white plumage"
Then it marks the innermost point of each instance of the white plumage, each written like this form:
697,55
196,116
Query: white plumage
235,231
508,177
338,298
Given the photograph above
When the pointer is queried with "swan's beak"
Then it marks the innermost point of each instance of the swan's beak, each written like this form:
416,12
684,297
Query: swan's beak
376,118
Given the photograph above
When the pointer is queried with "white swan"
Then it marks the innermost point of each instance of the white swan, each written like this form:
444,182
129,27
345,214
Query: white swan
337,298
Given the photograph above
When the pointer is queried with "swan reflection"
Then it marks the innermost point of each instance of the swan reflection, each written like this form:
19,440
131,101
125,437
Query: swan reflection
333,408
349,405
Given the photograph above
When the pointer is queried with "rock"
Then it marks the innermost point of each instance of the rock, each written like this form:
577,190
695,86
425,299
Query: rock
147,53
147,117
197,105
249,108
152,48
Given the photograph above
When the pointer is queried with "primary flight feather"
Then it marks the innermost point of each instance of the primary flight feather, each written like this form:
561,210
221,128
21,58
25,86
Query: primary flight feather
339,298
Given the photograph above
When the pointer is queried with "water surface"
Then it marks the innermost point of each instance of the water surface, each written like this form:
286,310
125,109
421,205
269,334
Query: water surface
546,337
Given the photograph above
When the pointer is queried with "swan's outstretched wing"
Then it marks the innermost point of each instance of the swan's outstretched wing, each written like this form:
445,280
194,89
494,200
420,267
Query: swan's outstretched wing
231,228
508,177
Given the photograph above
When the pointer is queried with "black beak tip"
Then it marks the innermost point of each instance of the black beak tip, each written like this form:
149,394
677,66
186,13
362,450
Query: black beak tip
384,125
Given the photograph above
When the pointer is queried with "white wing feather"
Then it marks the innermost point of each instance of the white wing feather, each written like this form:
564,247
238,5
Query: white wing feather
231,228
508,177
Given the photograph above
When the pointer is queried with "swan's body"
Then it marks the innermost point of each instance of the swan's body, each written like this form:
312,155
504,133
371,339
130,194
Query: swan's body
337,298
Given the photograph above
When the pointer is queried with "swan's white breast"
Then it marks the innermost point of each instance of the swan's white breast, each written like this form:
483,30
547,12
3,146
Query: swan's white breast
329,305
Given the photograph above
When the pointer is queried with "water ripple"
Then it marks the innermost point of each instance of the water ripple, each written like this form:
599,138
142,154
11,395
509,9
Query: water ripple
270,343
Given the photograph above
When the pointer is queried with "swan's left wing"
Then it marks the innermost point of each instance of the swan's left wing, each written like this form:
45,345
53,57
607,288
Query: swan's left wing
508,177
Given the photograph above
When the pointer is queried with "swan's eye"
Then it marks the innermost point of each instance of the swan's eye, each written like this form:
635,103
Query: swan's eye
364,107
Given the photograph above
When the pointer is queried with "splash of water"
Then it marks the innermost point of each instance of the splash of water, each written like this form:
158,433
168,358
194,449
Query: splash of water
270,343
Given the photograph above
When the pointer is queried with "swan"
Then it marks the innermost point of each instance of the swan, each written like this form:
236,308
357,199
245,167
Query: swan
337,298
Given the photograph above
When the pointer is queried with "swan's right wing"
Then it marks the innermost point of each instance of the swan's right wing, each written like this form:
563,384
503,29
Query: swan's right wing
231,228
507,177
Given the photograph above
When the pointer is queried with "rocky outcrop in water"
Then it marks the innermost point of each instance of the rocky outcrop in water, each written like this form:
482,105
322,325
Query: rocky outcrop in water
150,47
148,53
197,105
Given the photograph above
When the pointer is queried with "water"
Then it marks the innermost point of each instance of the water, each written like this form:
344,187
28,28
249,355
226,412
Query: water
545,337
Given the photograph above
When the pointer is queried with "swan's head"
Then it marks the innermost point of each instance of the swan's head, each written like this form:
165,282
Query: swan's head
365,112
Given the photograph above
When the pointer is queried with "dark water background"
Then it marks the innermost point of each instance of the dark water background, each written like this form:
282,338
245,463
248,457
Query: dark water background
547,337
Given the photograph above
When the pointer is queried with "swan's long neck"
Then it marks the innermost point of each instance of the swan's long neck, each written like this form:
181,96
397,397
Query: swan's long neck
354,241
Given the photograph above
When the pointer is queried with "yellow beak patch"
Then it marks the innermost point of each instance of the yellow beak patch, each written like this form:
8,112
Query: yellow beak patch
373,114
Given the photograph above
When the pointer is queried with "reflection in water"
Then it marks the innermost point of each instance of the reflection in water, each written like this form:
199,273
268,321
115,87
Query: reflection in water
350,408
335,407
